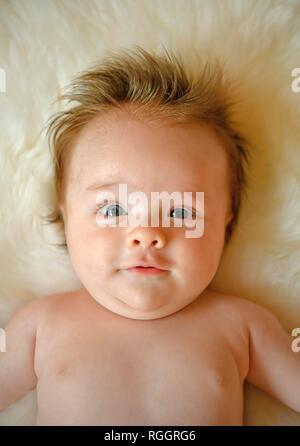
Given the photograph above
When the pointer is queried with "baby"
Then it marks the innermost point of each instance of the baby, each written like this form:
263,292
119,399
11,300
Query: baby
145,341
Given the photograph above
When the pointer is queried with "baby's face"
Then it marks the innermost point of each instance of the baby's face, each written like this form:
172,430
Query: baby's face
147,157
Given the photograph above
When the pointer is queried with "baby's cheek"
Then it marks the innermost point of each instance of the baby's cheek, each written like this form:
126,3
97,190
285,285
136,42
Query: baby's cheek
104,245
201,267
202,259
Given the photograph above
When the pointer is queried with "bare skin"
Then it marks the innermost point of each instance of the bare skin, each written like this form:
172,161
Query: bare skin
135,349
100,368
95,367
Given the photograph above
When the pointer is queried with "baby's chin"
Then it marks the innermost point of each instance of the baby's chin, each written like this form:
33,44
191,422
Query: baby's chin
140,307
142,298
135,307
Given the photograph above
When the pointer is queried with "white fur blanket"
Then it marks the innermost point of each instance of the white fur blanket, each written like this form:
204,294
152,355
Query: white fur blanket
44,43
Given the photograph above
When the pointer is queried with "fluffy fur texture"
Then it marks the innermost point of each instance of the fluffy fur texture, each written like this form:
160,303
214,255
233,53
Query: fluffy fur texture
44,44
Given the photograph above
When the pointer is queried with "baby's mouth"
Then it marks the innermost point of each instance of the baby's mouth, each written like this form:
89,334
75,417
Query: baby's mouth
146,270
141,267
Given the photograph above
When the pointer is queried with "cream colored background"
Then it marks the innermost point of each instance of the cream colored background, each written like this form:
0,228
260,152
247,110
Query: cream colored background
44,43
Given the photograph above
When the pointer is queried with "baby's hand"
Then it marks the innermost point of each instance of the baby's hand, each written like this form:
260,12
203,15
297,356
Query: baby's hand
17,374
274,367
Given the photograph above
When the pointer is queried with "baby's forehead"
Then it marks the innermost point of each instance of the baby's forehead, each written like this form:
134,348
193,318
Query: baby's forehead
165,152
145,136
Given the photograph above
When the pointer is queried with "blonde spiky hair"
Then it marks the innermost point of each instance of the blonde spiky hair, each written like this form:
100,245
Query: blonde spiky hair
159,86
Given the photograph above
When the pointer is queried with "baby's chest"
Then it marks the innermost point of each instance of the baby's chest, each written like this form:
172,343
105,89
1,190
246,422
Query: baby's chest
174,378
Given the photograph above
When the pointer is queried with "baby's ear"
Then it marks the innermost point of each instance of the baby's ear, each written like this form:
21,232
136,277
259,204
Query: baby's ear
61,208
229,218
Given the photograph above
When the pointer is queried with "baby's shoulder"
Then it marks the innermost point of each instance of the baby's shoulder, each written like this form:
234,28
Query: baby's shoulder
60,298
244,309
55,304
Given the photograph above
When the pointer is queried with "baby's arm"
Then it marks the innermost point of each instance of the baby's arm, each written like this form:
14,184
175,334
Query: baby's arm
17,374
273,366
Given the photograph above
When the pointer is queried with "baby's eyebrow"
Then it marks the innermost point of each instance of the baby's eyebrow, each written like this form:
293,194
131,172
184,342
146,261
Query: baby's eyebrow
97,186
100,185
112,183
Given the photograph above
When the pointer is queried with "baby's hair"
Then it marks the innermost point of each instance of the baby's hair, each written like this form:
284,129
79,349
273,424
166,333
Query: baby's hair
158,87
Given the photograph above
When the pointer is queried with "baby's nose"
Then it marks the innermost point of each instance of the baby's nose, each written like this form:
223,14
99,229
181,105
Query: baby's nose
146,237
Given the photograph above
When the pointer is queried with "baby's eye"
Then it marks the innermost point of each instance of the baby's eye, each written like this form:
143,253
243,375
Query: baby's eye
110,210
181,213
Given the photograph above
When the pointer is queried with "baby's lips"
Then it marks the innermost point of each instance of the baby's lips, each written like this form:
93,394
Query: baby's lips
157,265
